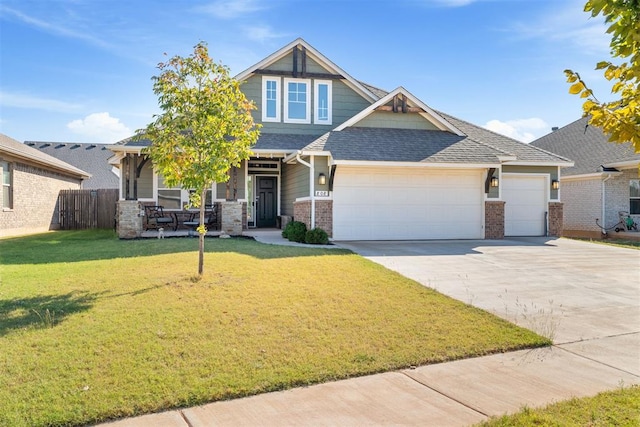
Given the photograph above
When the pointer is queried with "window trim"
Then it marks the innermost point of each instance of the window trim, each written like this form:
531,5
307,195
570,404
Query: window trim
306,120
633,197
7,206
277,80
316,106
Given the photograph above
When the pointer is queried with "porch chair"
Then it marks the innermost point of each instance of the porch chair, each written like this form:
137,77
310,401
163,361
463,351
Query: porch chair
156,218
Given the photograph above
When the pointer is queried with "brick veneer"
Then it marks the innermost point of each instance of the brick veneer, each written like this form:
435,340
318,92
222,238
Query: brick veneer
555,218
493,219
35,200
130,219
324,214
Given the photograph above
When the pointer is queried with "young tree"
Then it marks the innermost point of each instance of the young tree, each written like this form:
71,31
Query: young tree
620,118
204,129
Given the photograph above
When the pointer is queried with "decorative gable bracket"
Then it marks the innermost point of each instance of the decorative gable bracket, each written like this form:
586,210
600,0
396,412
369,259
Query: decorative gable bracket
399,105
299,68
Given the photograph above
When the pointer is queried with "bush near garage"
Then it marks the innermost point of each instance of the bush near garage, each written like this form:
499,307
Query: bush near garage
316,236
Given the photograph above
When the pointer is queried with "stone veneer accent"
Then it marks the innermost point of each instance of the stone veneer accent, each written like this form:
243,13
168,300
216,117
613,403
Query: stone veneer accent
233,217
324,214
129,219
493,219
555,218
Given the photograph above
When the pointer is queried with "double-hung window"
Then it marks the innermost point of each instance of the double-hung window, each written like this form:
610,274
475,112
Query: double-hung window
322,96
7,193
270,99
634,196
297,106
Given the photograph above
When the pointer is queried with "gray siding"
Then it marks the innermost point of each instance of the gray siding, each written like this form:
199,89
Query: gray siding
145,182
345,104
387,119
295,183
321,165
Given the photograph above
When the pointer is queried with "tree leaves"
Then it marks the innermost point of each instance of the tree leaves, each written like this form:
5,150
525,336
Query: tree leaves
205,127
620,119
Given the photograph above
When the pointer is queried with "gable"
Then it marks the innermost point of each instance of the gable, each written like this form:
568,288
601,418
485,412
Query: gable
390,120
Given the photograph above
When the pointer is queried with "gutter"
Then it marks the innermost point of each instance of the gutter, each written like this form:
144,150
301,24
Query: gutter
609,176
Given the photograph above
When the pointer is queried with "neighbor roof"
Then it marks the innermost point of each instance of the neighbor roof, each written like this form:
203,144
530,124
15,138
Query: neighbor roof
587,145
93,158
17,149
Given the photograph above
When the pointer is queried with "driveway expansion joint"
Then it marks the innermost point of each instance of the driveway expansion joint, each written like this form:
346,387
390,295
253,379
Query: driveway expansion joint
186,420
596,360
424,384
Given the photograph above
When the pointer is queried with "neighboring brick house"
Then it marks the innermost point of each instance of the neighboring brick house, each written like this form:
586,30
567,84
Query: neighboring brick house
603,181
31,181
92,158
367,164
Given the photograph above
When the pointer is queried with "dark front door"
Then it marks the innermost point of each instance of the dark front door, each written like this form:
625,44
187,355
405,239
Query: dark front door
266,202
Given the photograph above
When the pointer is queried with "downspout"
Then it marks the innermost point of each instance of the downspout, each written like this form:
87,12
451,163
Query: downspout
604,220
312,223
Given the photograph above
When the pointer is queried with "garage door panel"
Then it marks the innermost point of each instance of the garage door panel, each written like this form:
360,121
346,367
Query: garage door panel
525,206
407,204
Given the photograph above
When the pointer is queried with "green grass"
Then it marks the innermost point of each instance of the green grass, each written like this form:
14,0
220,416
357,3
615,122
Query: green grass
615,408
94,328
621,243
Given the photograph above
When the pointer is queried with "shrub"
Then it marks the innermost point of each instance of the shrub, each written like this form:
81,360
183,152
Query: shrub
316,236
295,231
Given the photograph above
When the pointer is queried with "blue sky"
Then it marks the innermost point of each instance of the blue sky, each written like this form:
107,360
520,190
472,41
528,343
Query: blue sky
80,70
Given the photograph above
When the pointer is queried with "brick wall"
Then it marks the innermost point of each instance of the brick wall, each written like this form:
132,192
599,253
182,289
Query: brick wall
302,212
493,219
35,200
582,204
324,214
555,219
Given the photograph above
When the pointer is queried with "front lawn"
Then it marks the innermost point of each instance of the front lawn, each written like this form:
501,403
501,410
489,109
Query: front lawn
613,408
94,328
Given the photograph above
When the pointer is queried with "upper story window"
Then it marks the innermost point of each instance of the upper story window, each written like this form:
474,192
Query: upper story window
297,107
634,196
7,193
322,95
270,99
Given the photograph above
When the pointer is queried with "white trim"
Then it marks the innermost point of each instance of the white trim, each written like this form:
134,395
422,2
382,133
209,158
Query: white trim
589,176
316,106
624,164
429,114
558,164
278,82
285,91
368,163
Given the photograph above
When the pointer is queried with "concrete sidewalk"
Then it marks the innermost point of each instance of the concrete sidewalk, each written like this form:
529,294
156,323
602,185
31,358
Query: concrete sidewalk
597,347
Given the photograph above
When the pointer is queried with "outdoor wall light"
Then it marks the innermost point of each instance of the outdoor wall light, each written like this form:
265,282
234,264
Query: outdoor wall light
494,181
555,184
322,179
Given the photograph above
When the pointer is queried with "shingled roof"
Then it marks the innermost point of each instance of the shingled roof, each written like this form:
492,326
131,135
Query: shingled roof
18,149
478,145
92,158
587,146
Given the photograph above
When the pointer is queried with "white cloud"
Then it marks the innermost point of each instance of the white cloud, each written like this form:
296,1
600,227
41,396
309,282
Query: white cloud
100,127
21,100
229,9
261,33
525,130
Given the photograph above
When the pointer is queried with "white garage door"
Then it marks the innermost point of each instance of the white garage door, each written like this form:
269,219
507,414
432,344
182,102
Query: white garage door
407,204
525,206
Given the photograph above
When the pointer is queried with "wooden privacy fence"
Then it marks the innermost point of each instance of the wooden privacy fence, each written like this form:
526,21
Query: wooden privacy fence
83,209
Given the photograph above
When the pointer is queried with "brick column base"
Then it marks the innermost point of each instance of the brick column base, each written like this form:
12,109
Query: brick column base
324,214
493,219
129,219
556,219
302,212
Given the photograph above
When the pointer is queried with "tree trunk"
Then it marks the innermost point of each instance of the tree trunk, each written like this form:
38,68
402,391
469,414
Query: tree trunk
201,233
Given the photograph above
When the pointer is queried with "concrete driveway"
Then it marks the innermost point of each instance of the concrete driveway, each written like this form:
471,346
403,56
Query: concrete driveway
565,289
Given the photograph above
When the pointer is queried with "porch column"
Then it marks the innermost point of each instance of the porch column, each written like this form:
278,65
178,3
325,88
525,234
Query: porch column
493,219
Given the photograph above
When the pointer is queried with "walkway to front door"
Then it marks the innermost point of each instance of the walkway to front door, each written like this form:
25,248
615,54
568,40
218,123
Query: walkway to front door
266,202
